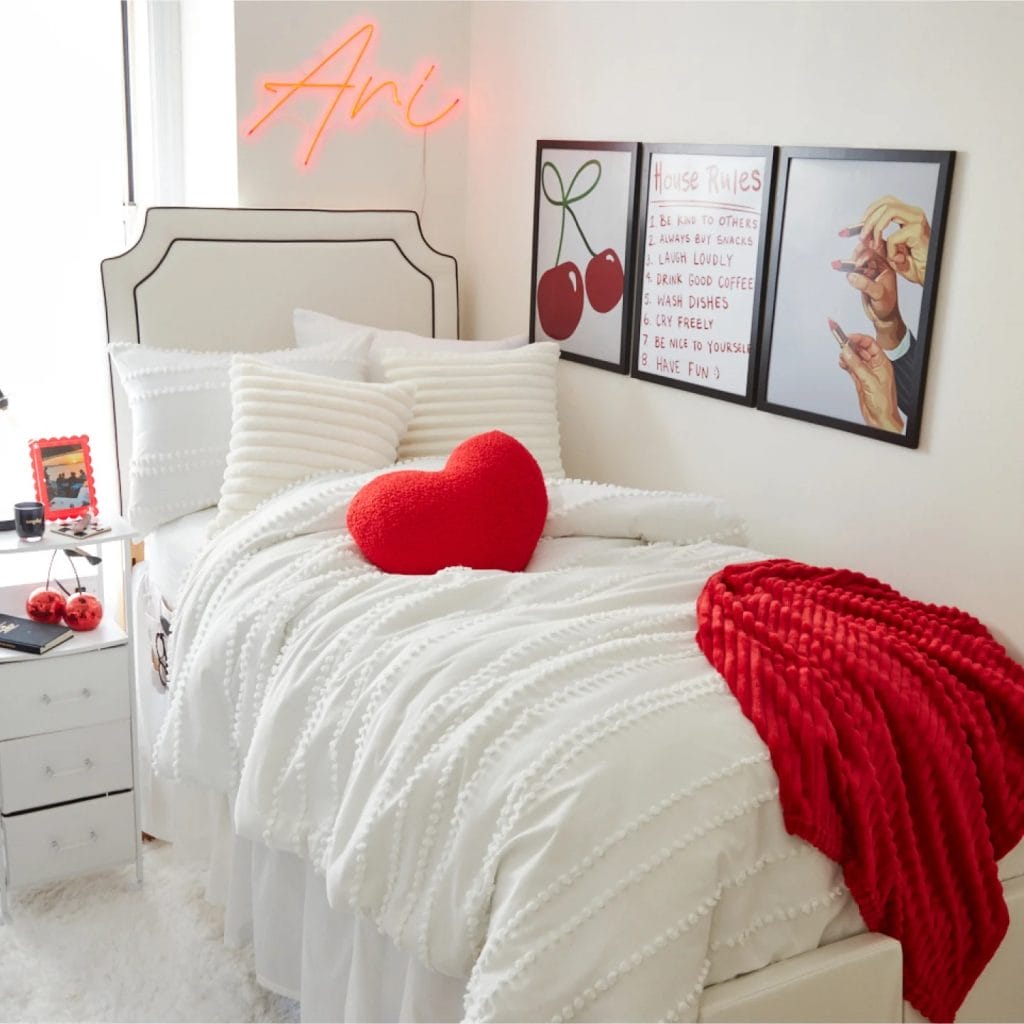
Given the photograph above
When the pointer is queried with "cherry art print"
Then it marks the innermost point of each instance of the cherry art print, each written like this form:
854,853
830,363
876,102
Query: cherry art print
584,206
559,295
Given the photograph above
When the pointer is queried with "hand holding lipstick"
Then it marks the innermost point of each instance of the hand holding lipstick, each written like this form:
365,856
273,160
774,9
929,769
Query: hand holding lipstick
875,279
906,249
872,374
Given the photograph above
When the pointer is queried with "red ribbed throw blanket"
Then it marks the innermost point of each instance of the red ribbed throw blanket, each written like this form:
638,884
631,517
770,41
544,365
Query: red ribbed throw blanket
897,731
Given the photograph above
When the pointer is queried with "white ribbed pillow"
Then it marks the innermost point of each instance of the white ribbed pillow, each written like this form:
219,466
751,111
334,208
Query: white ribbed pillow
181,419
459,394
312,328
287,425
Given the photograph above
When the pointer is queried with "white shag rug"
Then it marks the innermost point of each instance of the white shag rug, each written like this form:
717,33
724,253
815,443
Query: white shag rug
101,948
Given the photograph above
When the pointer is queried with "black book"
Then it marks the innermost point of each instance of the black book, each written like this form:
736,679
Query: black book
32,637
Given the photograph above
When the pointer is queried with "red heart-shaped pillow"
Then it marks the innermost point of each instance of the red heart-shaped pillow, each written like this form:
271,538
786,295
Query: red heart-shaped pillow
485,510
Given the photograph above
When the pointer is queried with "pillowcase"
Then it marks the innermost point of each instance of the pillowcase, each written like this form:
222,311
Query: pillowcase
181,419
485,510
286,425
317,328
459,394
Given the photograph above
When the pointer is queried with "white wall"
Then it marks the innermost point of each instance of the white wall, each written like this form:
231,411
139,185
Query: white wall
943,523
377,161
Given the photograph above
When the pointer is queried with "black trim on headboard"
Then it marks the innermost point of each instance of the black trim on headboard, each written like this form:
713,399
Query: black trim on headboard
294,241
294,209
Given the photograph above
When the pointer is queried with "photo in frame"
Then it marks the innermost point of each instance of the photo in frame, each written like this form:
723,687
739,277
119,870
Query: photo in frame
581,285
62,468
701,254
857,244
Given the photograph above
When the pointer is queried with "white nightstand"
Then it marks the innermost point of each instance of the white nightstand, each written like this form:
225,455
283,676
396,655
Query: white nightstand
68,803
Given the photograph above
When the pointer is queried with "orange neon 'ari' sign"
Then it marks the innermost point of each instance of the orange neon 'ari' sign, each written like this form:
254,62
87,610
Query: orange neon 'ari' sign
364,94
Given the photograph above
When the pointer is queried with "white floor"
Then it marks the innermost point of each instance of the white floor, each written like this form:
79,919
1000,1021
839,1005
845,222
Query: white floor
103,949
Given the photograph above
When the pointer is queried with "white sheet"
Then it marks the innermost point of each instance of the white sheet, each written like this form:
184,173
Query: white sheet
500,769
170,549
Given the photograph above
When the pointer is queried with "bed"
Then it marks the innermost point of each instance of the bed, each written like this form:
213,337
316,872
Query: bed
793,948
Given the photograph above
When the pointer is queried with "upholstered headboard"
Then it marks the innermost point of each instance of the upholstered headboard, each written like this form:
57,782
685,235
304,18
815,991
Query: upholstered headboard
229,279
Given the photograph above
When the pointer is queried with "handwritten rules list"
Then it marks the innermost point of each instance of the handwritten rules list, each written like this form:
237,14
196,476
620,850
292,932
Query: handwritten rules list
700,279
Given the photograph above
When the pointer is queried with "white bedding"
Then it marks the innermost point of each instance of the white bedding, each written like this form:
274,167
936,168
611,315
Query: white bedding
533,781
170,549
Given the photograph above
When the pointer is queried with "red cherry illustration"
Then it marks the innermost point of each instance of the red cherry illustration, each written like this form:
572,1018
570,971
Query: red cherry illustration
604,280
560,300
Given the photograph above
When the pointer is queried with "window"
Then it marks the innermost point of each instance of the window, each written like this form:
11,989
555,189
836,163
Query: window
66,178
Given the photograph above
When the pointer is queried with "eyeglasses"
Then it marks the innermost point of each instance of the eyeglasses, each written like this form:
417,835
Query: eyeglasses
159,659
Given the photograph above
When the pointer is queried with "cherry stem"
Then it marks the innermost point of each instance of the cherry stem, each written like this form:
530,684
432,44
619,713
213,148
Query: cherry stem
566,200
78,580
79,589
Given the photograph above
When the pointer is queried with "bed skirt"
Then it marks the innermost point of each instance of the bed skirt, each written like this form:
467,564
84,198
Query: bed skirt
336,964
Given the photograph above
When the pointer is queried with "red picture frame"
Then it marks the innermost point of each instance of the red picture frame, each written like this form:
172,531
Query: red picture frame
62,468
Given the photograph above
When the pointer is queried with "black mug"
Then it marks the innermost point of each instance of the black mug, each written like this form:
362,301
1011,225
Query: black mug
29,520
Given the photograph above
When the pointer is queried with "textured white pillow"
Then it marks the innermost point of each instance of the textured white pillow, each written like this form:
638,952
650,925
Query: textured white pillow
181,419
317,328
287,425
459,394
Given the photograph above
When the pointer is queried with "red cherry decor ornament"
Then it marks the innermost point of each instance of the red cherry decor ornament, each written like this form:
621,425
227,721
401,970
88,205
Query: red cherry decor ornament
80,611
83,612
559,291
45,605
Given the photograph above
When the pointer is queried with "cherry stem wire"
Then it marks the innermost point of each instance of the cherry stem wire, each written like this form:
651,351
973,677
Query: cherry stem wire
71,562
567,199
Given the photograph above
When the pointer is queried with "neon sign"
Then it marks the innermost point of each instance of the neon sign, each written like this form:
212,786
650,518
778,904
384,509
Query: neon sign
334,91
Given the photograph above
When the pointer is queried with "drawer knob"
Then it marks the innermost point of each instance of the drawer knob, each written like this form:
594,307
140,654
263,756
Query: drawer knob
53,773
84,694
59,847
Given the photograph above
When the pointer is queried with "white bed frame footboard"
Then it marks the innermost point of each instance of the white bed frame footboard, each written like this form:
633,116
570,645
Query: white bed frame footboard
229,279
861,979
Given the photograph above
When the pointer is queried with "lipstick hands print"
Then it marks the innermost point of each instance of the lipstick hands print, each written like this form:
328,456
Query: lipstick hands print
880,255
561,288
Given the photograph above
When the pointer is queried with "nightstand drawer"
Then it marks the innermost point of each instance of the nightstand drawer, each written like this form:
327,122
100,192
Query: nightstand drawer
69,840
62,766
62,693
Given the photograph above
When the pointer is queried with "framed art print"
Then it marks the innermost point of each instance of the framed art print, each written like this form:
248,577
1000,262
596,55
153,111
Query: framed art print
851,295
62,468
583,237
701,257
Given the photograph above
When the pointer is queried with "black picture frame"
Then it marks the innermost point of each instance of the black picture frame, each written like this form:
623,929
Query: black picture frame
792,249
566,313
698,353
